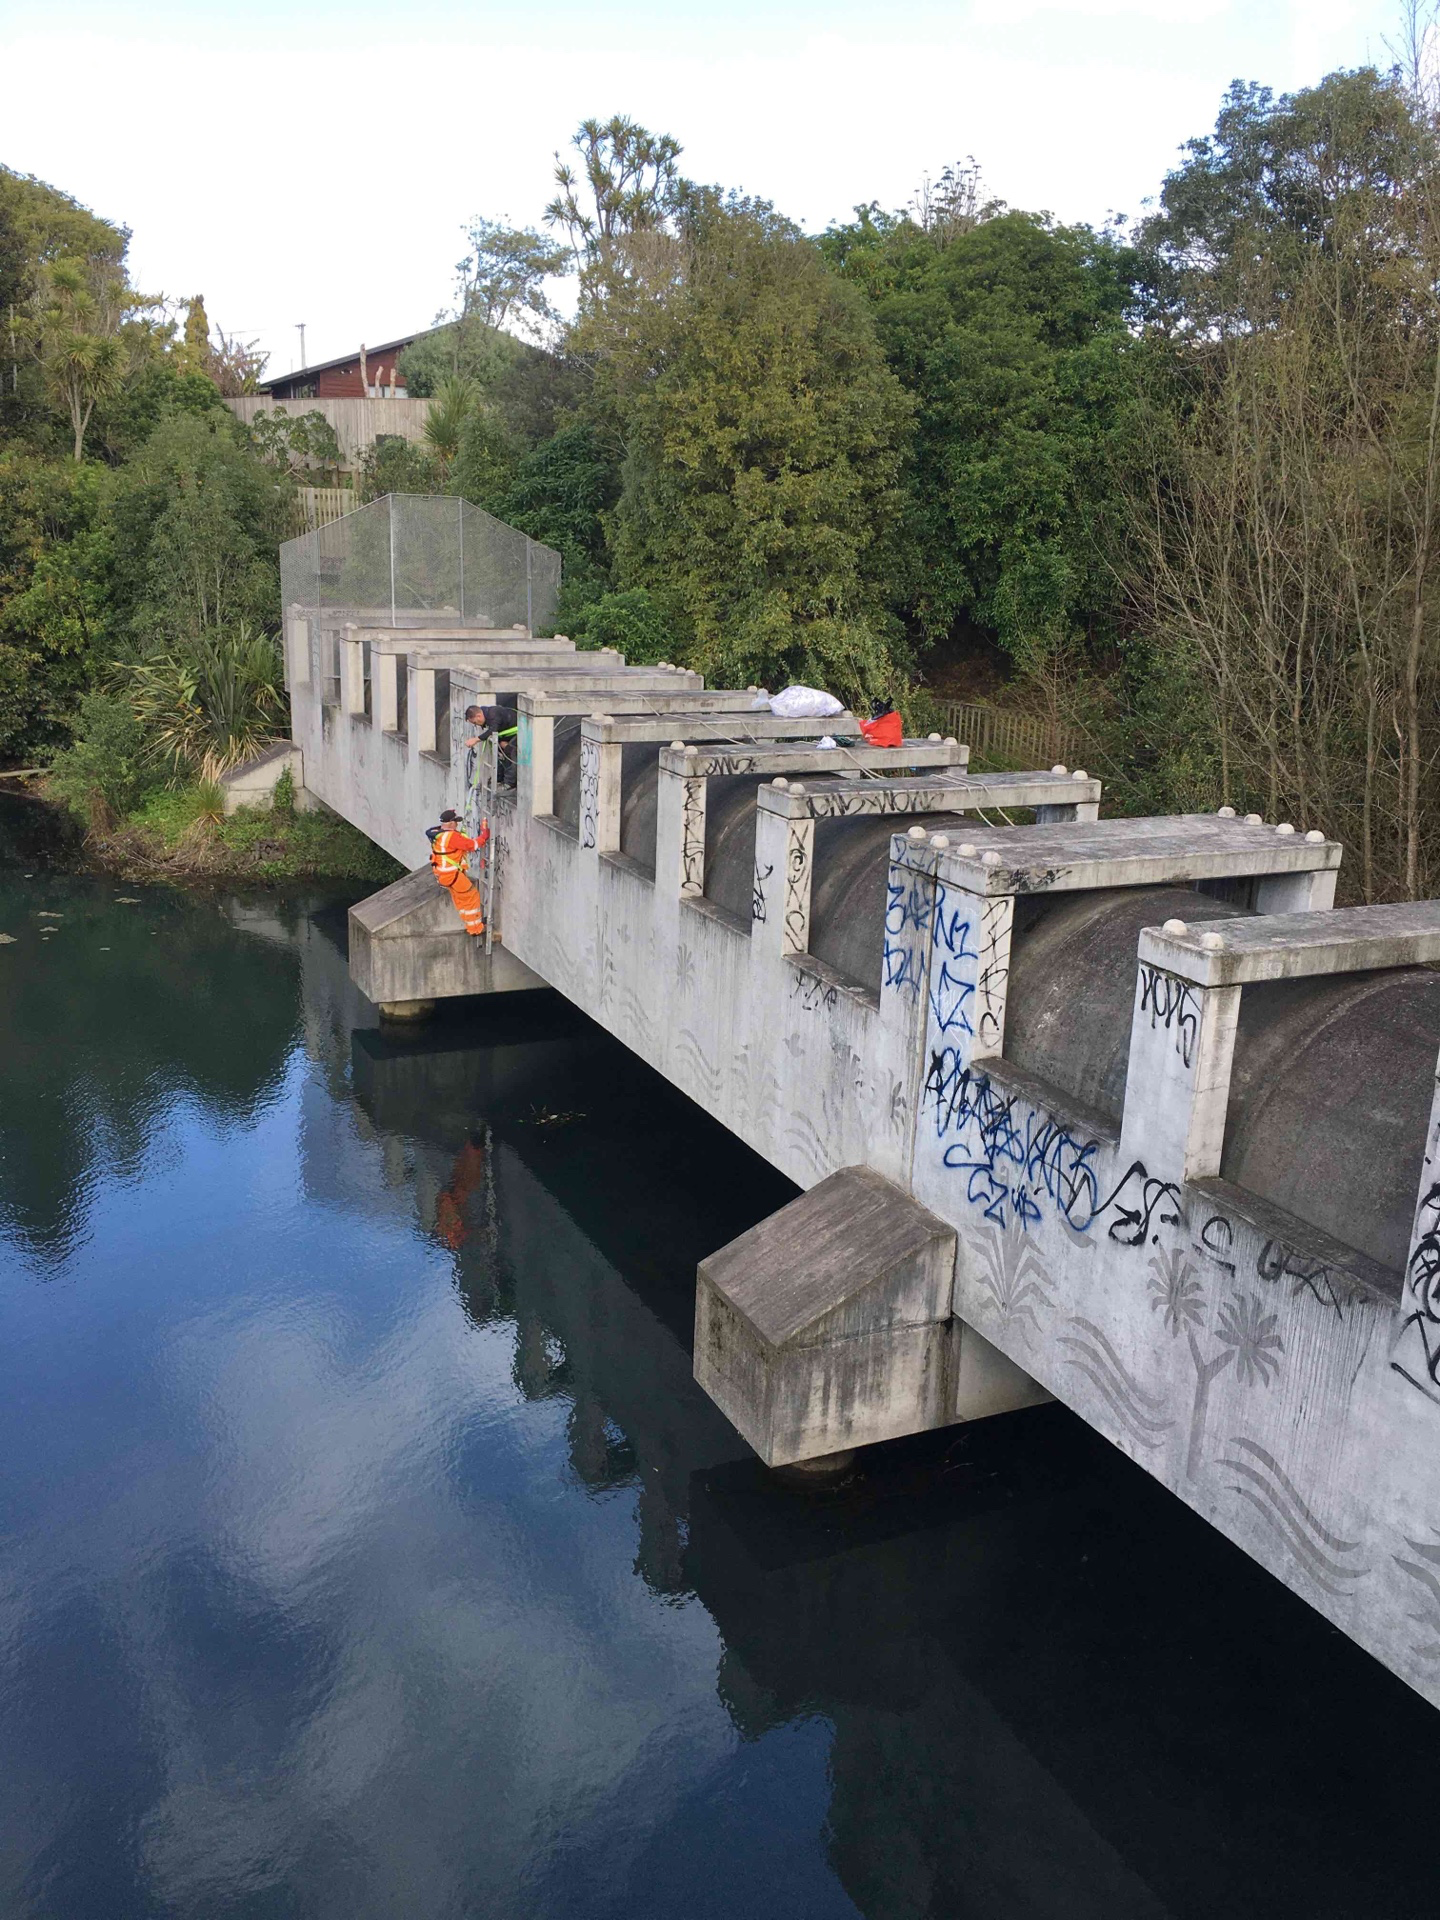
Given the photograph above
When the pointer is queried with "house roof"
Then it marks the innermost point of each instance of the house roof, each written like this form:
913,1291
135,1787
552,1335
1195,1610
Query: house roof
379,348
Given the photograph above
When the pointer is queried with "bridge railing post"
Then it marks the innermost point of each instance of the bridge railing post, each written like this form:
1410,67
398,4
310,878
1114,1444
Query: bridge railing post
601,762
1177,1089
784,869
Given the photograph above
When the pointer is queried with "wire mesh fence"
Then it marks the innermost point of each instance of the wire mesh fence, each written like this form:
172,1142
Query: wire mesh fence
412,560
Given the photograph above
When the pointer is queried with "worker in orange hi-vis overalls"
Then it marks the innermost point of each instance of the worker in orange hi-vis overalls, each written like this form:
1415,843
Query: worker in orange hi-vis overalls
449,851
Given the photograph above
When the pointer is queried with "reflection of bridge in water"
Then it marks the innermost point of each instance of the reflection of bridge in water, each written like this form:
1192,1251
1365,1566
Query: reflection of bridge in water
1112,1110
987,1619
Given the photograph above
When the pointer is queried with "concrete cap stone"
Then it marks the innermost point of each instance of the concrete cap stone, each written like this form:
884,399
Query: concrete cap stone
933,736
1175,926
1079,774
1227,813
911,833
951,741
940,840
1284,827
1059,770
1254,820
1212,941
797,786
1314,834
990,859
677,746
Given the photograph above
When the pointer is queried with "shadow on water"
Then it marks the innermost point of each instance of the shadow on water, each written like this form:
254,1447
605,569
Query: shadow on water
1045,1689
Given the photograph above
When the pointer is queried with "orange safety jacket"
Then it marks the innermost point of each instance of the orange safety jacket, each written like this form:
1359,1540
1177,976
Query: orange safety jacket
886,731
449,850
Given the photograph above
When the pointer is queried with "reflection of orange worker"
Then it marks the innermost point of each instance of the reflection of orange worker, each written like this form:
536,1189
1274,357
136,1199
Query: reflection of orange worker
465,1177
884,728
449,850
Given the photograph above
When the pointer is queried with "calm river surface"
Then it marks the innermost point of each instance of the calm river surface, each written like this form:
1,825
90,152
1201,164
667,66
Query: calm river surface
368,1550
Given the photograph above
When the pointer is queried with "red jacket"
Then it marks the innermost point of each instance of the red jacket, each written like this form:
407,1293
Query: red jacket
887,731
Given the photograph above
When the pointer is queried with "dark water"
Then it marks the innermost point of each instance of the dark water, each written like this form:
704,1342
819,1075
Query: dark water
368,1550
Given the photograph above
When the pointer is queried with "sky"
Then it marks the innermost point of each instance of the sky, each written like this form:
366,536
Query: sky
318,165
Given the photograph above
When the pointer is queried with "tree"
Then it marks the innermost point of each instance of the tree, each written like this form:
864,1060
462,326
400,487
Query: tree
501,280
454,402
1013,336
87,335
761,465
628,187
1287,531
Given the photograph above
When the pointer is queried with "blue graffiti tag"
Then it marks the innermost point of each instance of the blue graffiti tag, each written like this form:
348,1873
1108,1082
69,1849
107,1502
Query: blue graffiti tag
1017,1159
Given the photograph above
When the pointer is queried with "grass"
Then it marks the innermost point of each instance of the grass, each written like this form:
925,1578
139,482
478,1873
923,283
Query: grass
183,833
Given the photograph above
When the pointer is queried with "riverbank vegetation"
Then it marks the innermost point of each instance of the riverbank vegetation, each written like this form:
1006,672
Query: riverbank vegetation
1170,485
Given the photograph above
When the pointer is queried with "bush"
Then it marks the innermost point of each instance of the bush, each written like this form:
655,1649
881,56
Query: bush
108,771
634,623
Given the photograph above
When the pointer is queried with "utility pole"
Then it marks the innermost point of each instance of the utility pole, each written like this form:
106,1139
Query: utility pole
300,329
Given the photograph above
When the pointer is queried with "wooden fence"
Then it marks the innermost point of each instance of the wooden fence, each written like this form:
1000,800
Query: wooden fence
1020,740
318,506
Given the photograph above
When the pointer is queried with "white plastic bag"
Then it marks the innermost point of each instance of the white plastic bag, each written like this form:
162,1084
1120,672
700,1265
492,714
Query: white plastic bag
826,740
805,703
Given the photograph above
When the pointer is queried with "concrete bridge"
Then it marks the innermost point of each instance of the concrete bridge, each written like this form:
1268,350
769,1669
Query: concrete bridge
1121,1111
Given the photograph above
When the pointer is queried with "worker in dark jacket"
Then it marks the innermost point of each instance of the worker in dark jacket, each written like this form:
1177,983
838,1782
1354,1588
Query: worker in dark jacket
450,851
884,728
501,724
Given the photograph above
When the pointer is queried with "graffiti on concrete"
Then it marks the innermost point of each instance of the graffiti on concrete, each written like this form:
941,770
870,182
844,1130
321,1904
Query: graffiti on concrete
812,992
1263,1483
1417,1345
757,897
797,892
692,838
1278,1262
1011,1271
1092,1353
1421,1564
589,791
1174,1005
1024,1165
907,916
1248,1337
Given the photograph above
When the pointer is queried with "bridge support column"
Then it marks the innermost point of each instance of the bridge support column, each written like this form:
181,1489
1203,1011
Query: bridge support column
408,948
828,1326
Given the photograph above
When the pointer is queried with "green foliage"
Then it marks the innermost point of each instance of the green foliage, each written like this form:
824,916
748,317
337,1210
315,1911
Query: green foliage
633,623
283,798
559,492
760,478
470,351
393,465
450,411
1013,338
297,444
57,628
201,516
109,770
211,702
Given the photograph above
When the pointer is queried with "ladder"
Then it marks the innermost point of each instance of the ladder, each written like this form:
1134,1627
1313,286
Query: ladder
481,772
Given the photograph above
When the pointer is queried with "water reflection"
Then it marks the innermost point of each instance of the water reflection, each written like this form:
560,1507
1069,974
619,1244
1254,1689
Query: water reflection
369,1549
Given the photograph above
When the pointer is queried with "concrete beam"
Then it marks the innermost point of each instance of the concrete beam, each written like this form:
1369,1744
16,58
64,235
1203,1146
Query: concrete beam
1118,853
957,792
1296,946
788,759
828,1326
743,732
